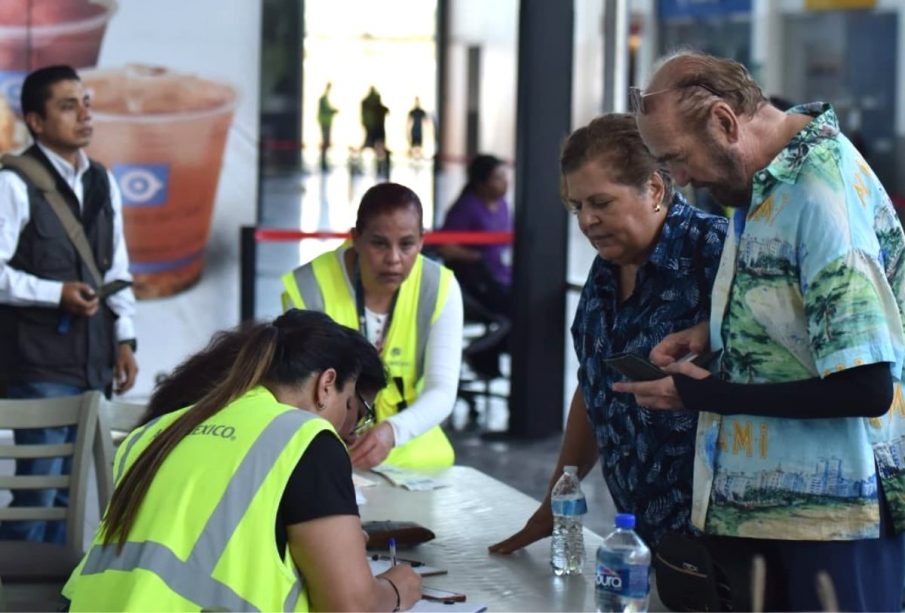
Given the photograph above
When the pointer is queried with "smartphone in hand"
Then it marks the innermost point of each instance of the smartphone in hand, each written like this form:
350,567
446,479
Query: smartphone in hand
637,368
634,367
108,289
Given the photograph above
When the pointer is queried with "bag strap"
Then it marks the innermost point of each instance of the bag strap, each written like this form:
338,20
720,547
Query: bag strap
47,185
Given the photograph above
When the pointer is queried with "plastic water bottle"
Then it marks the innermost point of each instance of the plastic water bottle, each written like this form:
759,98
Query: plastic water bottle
567,545
623,569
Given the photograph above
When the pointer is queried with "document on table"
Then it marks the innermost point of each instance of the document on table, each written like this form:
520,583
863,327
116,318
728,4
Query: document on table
408,479
433,606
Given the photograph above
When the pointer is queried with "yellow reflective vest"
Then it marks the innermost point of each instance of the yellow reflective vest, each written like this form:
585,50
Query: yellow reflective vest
203,537
322,285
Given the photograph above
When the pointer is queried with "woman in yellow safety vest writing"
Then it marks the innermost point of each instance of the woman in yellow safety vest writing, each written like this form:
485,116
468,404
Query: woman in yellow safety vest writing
409,308
200,490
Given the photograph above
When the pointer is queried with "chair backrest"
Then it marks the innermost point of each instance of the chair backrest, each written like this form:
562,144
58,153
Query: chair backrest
79,411
115,420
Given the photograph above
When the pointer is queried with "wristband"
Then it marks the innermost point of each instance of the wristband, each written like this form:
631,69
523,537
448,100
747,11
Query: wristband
398,599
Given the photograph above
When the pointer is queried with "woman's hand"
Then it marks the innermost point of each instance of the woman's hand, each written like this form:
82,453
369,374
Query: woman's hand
691,340
372,447
538,526
662,393
407,581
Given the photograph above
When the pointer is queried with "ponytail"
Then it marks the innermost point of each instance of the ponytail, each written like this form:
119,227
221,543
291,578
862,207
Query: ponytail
295,346
250,369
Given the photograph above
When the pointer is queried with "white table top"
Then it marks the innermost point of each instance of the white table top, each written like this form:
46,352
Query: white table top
473,513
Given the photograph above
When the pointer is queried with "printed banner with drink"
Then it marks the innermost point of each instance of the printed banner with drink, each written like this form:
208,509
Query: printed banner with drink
174,99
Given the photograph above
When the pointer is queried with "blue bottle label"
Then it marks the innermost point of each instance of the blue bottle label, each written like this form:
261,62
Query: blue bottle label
628,581
570,506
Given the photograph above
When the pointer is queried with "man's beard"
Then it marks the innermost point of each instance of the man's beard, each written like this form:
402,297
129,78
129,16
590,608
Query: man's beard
732,188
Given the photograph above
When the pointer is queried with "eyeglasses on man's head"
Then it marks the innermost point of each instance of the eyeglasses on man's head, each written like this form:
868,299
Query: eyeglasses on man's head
638,97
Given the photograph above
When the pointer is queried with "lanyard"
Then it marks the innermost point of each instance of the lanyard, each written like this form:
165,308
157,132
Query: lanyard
360,307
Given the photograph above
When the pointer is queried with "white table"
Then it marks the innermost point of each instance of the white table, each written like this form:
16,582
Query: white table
475,511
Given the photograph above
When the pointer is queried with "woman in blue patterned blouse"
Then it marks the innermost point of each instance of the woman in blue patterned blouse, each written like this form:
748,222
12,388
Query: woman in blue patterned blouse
657,258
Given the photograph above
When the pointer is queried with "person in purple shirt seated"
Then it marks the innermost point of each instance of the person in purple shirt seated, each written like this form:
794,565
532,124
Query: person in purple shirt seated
484,271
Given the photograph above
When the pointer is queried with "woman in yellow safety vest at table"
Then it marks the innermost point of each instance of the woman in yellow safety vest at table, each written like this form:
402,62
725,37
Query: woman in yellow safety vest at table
410,308
243,502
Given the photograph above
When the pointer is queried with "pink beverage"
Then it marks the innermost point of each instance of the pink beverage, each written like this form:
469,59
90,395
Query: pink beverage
38,33
162,134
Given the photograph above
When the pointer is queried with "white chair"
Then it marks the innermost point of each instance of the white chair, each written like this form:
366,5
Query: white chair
115,420
33,573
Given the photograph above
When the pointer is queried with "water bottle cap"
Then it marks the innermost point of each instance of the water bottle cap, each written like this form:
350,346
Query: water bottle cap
626,521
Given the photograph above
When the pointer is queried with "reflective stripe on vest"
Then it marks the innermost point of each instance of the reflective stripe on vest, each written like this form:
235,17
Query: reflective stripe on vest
193,579
305,292
430,289
308,288
127,447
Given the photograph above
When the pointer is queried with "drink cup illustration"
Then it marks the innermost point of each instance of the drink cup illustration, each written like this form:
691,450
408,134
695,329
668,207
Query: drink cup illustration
38,33
162,134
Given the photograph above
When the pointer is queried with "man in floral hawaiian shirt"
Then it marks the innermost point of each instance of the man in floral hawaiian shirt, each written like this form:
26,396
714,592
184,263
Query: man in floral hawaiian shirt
800,454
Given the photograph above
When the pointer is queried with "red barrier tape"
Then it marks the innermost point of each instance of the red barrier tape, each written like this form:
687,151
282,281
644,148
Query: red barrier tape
430,238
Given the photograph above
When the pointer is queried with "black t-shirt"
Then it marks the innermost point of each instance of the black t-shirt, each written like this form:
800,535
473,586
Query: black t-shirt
320,486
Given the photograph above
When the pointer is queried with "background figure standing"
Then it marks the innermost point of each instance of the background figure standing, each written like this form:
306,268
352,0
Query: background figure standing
416,129
373,117
484,272
325,113
44,283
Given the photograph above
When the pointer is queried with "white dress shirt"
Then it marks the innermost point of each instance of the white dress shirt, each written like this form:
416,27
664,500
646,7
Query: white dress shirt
19,288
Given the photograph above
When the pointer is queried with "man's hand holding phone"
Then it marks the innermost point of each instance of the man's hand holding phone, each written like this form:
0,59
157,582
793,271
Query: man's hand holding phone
79,299
636,368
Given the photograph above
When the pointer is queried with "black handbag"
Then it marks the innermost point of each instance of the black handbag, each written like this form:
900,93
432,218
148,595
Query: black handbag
687,578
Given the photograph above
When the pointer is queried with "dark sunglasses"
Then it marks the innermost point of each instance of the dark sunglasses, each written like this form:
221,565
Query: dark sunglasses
366,418
637,97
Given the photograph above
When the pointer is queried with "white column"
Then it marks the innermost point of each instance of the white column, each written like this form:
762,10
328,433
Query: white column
587,65
648,52
615,55
767,43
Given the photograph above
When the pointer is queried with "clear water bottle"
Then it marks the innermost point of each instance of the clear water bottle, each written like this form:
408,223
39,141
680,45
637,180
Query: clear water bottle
623,569
567,545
